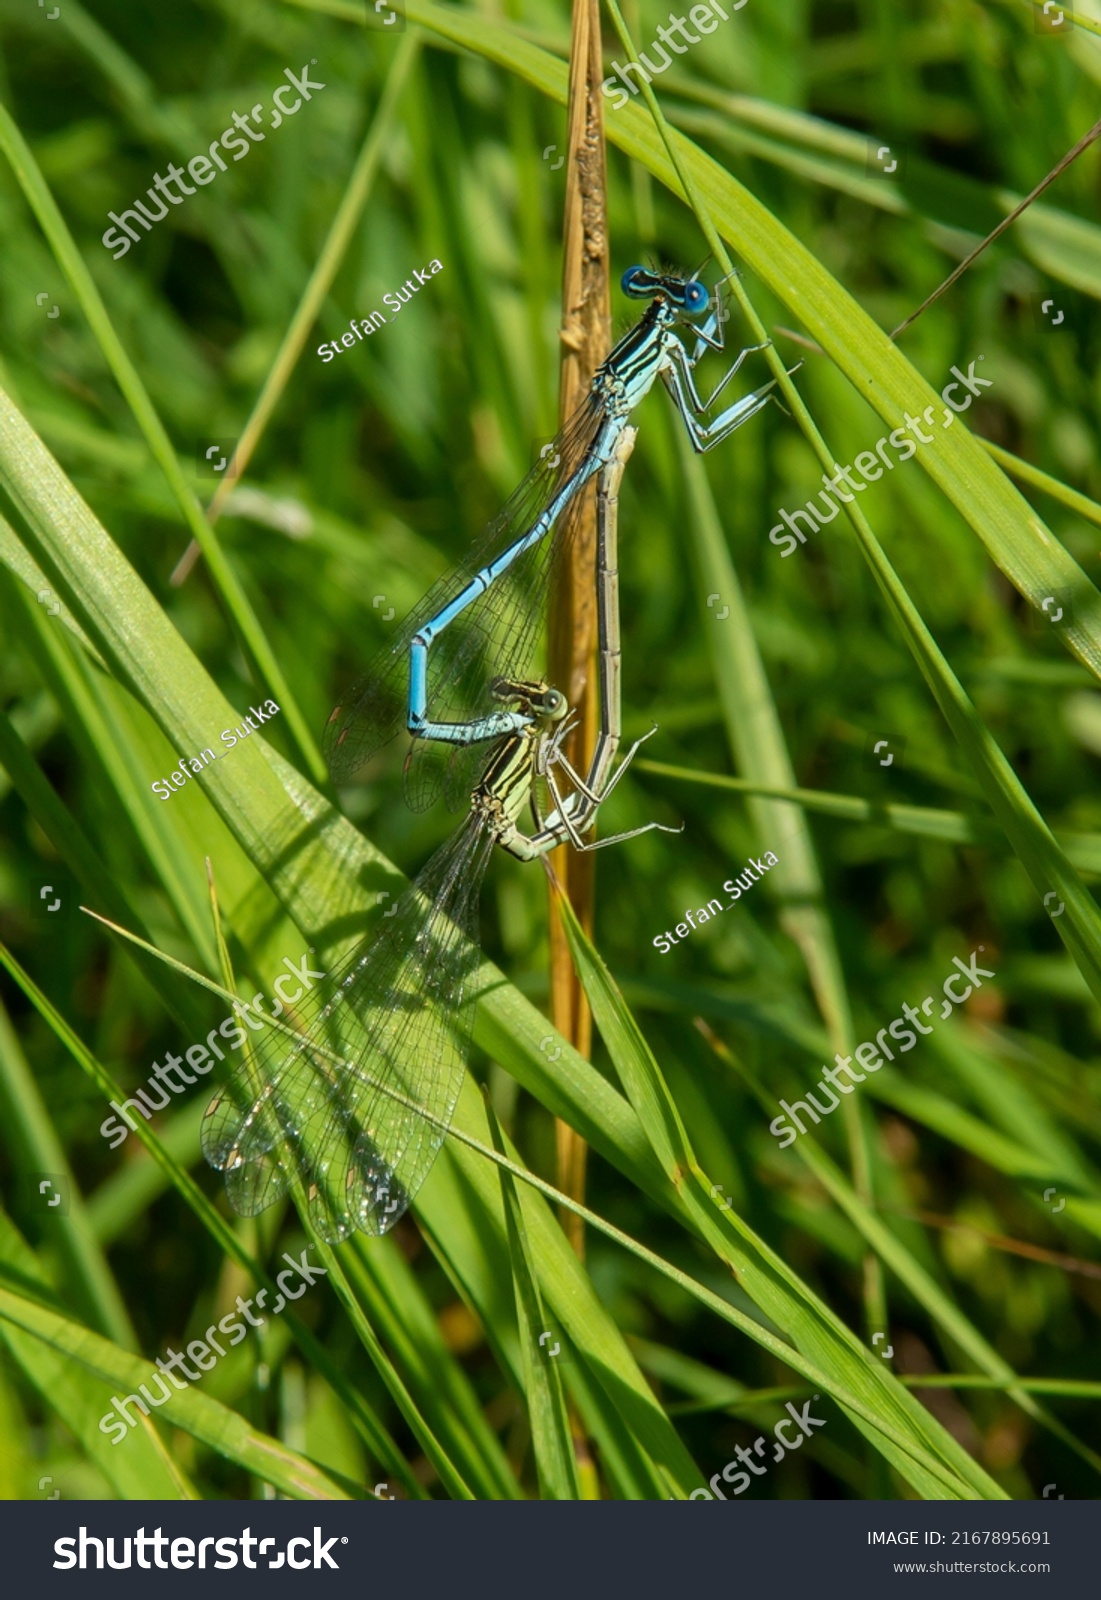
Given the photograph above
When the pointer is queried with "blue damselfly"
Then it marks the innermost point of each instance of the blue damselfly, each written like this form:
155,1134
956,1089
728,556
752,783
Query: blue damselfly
434,677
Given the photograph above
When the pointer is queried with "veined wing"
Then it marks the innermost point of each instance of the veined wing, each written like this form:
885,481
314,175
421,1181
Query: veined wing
496,635
358,1104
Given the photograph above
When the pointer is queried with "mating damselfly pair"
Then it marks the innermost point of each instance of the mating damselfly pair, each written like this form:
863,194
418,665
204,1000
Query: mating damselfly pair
352,1106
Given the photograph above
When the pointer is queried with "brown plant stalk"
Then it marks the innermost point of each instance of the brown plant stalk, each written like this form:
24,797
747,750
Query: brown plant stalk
585,338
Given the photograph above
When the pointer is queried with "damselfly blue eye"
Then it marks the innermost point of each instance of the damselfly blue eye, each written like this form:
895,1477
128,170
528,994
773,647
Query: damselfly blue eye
696,298
637,282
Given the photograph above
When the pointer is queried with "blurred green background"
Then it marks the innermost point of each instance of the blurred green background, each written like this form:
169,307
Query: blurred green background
373,475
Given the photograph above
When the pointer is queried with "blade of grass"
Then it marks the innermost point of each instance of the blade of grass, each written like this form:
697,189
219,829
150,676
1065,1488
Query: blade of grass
79,691
551,1437
1010,1104
928,822
196,1413
461,1212
974,1134
901,1261
321,279
145,1470
447,1470
916,1463
823,153
131,1190
1007,222
385,1283
61,241
743,1400
20,563
76,850
760,750
779,1292
1074,501
372,1431
151,115
89,1284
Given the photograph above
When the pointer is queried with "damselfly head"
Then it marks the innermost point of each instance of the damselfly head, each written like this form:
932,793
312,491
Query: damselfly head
685,294
533,697
640,283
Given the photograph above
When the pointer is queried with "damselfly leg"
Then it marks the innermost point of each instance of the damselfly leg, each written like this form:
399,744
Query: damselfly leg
705,436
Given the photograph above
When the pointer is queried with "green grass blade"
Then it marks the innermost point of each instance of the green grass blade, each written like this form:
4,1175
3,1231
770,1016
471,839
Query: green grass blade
921,1284
919,1465
446,1467
207,1420
1080,504
1065,247
461,1211
778,1291
53,225
382,1446
926,822
333,252
398,1305
552,1442
89,1283
760,751
145,1470
76,850
110,750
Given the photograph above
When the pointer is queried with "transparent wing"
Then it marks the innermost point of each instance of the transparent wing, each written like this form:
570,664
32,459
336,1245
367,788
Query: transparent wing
495,636
358,1104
